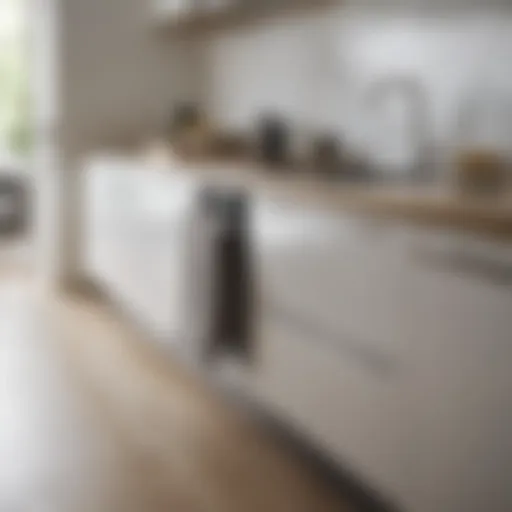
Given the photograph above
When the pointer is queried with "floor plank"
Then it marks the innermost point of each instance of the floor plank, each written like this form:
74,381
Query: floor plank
91,420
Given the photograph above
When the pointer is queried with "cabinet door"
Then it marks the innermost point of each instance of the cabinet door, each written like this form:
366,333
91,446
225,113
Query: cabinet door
104,192
337,400
334,354
462,313
155,251
347,274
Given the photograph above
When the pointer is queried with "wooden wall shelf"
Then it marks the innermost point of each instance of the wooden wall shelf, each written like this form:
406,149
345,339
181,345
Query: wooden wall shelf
234,16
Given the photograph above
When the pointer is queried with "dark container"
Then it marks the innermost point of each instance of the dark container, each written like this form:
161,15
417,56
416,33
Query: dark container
273,141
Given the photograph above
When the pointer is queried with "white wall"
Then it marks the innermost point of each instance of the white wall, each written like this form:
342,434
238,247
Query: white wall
119,75
315,68
44,47
111,76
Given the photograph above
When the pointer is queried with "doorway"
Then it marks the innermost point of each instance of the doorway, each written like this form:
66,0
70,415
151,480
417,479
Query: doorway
15,136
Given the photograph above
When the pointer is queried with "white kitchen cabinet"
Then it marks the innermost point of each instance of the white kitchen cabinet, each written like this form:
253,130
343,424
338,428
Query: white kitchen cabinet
462,311
106,197
385,344
347,274
338,401
334,354
136,241
427,425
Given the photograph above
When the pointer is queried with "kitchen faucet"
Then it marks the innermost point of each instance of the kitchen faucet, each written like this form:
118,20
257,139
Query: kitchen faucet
421,169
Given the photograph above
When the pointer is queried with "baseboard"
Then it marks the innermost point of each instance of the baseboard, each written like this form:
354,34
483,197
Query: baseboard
352,488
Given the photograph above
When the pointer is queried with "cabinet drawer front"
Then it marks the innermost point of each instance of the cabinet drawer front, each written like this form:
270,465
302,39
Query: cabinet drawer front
462,309
348,274
463,324
355,414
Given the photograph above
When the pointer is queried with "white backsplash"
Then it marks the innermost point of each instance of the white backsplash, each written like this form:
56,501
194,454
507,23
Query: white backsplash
316,69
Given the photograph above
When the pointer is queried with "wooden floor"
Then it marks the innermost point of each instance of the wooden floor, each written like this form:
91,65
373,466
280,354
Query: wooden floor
91,420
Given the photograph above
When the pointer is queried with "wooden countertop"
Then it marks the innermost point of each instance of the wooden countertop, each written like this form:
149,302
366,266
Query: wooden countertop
435,206
427,205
